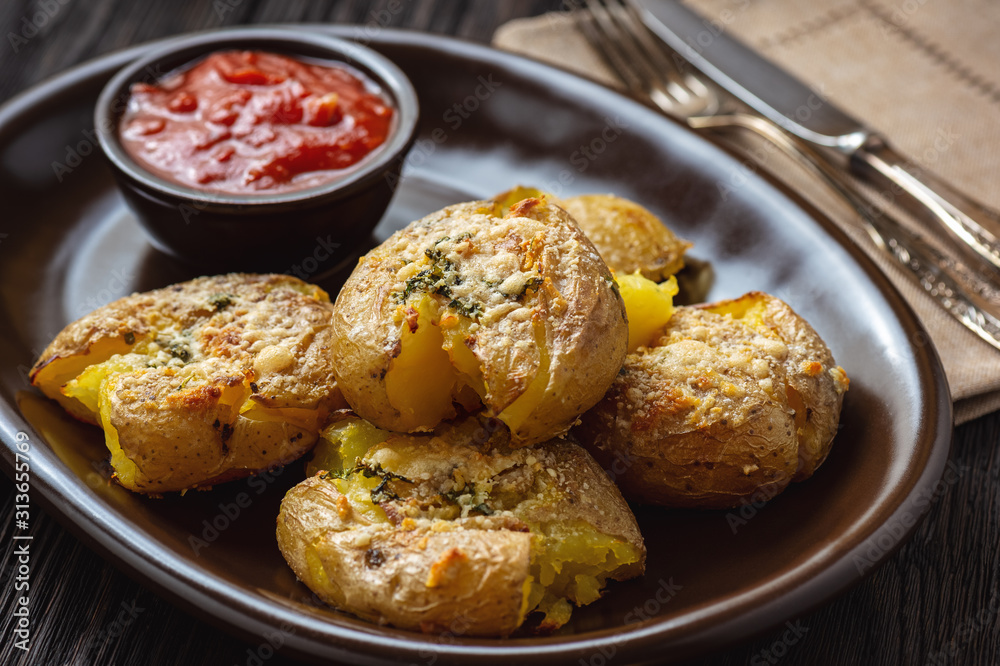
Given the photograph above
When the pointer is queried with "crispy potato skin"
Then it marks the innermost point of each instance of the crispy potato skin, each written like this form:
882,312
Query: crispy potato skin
547,310
380,573
629,237
201,350
434,564
816,384
721,409
699,419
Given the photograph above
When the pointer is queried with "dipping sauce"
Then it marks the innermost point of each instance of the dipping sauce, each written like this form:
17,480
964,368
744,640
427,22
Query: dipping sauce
245,122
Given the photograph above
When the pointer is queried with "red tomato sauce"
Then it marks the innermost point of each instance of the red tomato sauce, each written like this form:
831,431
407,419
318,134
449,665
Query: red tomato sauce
244,122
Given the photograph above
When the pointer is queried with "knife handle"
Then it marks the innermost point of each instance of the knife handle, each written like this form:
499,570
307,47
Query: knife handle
971,297
967,223
956,288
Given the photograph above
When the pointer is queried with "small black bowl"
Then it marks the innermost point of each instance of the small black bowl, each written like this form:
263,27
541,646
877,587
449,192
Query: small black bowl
308,231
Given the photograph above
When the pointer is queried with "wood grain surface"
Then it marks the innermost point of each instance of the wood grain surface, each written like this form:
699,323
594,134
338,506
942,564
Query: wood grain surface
936,601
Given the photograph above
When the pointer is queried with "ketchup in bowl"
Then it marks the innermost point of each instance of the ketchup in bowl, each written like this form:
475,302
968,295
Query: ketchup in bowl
245,122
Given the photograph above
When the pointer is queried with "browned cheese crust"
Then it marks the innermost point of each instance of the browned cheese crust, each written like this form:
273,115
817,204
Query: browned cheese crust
734,401
523,298
476,567
699,419
215,378
452,542
629,237
816,384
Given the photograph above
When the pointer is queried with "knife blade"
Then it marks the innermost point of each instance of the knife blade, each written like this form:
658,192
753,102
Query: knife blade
806,113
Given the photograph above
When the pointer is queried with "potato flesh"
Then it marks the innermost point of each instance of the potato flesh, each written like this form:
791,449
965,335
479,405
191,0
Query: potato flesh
91,392
462,359
745,310
59,371
570,562
357,489
86,387
649,306
507,199
433,356
307,419
342,443
125,469
423,363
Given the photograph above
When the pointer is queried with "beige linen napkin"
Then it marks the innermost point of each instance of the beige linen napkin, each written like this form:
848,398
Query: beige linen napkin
921,71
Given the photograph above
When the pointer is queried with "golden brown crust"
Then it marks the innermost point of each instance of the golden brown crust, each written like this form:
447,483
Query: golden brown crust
527,295
700,419
433,577
733,401
206,368
461,520
629,237
816,383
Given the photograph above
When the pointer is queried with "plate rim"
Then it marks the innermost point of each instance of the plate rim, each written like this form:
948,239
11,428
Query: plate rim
250,622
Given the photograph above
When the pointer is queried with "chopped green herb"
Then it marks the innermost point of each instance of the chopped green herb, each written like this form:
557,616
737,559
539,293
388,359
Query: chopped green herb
531,283
178,347
614,286
471,310
439,279
469,490
453,495
381,492
179,350
483,509
465,235
220,301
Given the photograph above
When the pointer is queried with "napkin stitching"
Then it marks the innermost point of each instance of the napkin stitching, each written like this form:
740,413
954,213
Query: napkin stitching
808,27
936,53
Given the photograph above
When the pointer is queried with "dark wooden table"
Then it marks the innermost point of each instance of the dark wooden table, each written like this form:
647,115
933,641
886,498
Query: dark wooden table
937,600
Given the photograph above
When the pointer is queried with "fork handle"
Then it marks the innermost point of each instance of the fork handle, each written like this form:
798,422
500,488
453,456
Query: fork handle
966,222
969,296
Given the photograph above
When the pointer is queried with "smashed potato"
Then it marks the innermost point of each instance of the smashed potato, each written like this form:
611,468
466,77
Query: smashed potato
200,382
732,400
815,383
456,529
630,238
468,307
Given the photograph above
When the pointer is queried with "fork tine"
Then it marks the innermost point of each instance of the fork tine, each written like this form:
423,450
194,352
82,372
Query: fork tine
628,57
614,29
677,79
645,58
607,46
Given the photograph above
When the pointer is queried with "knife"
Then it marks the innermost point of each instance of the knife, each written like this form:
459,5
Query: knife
806,113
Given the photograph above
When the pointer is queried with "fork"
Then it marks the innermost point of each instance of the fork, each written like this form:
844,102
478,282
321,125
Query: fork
650,70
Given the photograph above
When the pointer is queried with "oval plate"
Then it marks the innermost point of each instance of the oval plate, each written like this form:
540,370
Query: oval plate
490,120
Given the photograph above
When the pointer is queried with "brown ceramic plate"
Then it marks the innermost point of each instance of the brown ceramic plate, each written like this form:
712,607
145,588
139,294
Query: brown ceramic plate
489,121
